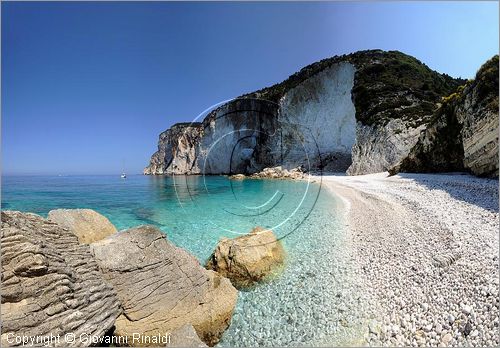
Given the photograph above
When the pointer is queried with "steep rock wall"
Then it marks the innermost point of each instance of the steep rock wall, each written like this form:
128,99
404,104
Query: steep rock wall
395,97
236,137
478,113
378,148
463,134
178,143
317,119
439,146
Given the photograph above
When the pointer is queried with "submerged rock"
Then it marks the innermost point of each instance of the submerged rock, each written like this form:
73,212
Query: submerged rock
87,224
237,177
50,282
162,287
248,259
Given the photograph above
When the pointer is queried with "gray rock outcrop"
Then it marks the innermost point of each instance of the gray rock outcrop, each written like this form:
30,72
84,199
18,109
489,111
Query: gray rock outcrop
361,112
162,287
248,259
50,283
279,173
463,133
237,177
379,147
176,150
478,114
87,224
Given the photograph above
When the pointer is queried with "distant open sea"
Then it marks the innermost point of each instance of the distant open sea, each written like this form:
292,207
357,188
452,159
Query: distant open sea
196,211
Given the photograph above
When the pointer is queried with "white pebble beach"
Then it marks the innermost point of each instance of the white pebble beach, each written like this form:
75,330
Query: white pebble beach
427,246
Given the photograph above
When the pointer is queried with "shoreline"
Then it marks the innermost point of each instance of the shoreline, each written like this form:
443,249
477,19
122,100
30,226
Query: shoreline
427,247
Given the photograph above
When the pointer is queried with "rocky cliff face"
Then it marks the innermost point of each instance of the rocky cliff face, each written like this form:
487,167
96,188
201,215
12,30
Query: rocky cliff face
478,115
463,133
361,112
179,143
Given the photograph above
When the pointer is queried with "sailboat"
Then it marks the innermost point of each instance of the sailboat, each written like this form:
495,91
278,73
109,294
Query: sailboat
123,176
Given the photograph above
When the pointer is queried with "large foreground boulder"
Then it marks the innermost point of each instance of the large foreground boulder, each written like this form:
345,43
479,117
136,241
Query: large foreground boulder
162,287
50,283
88,225
248,259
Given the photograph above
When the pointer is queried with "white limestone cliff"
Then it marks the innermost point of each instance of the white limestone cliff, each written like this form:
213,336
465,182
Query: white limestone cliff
360,113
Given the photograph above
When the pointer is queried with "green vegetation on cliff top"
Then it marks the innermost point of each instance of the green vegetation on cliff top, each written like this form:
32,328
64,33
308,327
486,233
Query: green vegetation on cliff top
388,85
440,148
486,82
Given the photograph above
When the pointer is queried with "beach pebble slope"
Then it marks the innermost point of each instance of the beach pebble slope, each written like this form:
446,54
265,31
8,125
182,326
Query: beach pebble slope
87,224
50,283
428,247
162,287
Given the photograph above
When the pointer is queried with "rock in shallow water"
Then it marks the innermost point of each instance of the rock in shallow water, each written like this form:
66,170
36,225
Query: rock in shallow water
50,282
237,177
162,287
88,225
248,259
279,173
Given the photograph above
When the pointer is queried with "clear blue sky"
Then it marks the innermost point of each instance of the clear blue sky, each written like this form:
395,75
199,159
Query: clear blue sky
88,85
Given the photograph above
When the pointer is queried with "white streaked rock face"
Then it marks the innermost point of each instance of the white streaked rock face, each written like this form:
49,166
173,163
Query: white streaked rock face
379,148
479,134
176,153
480,143
314,121
317,118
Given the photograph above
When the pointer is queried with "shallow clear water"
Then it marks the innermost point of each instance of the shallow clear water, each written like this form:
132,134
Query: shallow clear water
193,211
314,301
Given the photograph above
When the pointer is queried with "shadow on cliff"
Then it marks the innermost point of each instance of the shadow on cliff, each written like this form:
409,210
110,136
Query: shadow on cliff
482,192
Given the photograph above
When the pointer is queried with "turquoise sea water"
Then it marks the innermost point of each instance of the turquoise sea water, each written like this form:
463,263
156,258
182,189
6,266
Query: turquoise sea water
193,211
314,301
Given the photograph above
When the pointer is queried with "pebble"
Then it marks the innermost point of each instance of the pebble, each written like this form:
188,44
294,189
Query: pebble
466,309
446,338
467,329
439,328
